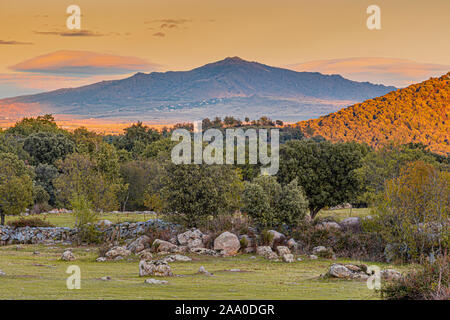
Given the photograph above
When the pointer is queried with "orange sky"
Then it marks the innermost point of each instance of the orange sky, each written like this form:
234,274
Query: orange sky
182,34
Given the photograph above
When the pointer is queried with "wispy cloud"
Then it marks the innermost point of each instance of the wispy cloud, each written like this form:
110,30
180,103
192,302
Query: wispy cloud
78,33
83,63
12,42
388,71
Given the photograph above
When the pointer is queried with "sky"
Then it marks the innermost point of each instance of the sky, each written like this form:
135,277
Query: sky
118,38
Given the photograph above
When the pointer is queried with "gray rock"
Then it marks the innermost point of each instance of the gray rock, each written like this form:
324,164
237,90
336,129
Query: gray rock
202,270
185,237
277,237
106,278
266,252
145,255
206,252
318,249
339,271
176,257
68,256
100,259
227,242
163,246
2,273
154,281
283,250
288,257
140,244
313,257
292,244
328,225
390,274
351,222
115,252
154,268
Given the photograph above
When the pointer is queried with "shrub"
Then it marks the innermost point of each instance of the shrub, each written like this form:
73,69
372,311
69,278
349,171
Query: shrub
412,214
30,222
270,205
344,243
88,233
431,282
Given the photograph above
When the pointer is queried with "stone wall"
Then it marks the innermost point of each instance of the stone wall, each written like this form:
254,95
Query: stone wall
126,230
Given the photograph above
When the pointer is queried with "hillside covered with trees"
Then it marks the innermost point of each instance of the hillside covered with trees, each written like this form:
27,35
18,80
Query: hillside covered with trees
417,114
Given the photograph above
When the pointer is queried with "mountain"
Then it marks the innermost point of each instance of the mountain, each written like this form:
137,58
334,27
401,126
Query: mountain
418,113
231,82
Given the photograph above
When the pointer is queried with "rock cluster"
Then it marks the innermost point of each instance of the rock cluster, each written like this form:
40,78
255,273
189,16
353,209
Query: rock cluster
68,256
352,271
157,268
126,230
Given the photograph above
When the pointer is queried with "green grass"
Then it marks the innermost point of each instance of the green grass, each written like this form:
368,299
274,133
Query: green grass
341,214
68,219
43,276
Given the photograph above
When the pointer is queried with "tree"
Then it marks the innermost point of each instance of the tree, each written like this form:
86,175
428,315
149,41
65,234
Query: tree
80,177
47,147
385,164
324,170
270,204
28,126
412,214
16,186
44,176
201,190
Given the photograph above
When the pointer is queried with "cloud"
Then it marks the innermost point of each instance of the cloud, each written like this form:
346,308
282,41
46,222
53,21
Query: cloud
80,33
12,42
387,71
74,62
159,34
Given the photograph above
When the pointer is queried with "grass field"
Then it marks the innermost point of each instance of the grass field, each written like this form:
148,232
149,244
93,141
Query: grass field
68,220
43,276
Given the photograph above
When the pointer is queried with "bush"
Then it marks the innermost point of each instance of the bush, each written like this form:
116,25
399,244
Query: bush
413,212
88,233
344,243
271,205
432,282
30,222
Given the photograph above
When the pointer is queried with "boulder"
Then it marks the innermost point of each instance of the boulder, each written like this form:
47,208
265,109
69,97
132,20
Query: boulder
106,278
283,250
176,257
277,237
156,268
195,243
292,244
116,252
348,271
287,257
154,281
390,274
328,226
100,259
163,246
188,236
318,249
351,223
206,252
266,252
339,271
2,273
227,242
145,255
68,256
139,244
313,257
202,270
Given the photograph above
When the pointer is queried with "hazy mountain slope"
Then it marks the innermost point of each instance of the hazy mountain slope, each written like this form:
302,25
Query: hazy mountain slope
418,113
232,77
